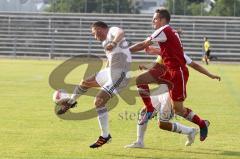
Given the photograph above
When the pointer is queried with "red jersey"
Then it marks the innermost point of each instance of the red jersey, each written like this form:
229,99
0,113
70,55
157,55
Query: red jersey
171,47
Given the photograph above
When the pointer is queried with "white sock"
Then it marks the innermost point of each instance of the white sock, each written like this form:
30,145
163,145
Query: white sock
78,91
103,121
182,129
141,129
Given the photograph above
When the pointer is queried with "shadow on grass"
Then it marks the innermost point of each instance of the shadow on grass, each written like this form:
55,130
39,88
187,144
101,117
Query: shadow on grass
201,151
222,152
140,157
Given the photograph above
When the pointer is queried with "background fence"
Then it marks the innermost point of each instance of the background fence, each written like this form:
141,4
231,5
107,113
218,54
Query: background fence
51,35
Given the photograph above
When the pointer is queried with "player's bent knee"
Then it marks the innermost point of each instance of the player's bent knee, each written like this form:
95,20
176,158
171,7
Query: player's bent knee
99,101
140,80
179,111
84,83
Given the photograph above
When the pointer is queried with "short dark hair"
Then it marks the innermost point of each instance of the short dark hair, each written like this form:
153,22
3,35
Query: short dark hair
164,13
99,24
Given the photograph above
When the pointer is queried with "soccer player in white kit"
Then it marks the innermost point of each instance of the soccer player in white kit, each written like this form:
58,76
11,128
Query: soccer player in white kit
162,105
111,79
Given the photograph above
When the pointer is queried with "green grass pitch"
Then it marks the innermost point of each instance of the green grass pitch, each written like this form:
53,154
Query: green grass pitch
29,128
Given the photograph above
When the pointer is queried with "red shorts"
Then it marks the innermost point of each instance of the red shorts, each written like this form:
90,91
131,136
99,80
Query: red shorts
176,80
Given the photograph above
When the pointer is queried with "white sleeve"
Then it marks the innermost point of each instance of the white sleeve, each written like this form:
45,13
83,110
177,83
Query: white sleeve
188,59
114,30
158,36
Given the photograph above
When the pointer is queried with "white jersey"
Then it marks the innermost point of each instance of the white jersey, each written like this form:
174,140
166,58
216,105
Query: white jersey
120,57
115,77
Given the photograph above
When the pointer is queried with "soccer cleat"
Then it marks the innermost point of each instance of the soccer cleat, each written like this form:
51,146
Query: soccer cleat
65,106
135,145
204,131
101,141
148,115
191,137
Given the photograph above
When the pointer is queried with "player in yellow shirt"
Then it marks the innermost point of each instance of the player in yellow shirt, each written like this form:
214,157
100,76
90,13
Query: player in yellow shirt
207,50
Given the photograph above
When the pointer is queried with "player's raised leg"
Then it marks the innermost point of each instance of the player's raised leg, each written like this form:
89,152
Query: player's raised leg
142,82
100,104
78,91
83,87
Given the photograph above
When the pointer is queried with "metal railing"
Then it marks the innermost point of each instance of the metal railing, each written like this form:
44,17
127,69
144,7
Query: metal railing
50,35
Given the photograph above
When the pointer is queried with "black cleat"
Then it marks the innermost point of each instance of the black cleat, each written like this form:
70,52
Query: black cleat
204,131
65,106
101,141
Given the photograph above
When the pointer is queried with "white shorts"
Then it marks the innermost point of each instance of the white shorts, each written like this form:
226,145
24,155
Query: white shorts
112,82
162,103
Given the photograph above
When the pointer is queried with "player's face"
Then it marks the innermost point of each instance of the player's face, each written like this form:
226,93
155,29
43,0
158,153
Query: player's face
157,21
98,33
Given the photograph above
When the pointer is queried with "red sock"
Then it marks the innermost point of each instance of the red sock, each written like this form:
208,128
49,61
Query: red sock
144,92
191,116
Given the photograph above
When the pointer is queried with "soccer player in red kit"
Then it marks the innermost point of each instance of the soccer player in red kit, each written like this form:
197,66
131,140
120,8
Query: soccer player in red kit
173,71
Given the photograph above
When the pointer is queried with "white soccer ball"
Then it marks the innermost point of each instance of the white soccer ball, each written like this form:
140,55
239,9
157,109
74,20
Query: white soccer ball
60,96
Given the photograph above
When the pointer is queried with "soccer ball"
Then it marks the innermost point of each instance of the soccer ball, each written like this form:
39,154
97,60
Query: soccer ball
60,96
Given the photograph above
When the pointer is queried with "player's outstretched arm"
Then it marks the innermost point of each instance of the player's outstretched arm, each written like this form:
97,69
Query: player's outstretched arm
152,50
140,46
202,70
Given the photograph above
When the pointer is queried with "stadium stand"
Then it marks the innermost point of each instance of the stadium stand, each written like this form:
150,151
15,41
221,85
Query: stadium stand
53,35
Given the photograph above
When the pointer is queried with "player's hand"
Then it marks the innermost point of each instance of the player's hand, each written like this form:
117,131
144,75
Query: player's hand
142,67
149,50
216,77
110,46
